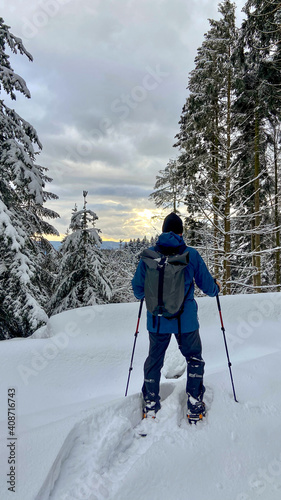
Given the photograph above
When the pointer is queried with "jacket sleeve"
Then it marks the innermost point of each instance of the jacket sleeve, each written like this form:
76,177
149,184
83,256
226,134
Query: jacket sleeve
138,281
204,279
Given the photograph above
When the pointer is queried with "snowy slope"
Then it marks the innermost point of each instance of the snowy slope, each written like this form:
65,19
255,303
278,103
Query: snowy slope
77,435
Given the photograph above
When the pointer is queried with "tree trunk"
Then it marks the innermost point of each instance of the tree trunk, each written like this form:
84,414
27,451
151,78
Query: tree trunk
215,201
227,274
257,244
276,213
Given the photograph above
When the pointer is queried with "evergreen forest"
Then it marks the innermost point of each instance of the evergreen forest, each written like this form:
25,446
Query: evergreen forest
224,181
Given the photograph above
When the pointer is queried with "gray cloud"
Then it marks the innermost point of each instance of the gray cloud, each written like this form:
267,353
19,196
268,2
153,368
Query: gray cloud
108,83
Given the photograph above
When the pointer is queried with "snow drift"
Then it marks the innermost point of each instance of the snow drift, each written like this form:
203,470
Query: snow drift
77,435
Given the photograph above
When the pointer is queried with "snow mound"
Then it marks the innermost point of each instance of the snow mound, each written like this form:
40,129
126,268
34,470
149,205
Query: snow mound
79,437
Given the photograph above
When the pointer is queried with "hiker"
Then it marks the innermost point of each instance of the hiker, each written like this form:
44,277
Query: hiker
185,327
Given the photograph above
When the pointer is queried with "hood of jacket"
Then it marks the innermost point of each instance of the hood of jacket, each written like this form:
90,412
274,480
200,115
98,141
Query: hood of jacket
170,243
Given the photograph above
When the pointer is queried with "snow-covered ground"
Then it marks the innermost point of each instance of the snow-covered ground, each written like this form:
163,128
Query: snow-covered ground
77,435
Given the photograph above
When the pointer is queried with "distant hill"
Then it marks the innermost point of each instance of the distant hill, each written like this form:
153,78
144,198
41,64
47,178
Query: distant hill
56,244
107,245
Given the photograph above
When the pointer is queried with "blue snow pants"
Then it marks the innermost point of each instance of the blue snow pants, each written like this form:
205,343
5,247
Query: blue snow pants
191,348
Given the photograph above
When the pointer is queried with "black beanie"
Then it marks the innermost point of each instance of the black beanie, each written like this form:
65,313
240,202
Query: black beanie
172,223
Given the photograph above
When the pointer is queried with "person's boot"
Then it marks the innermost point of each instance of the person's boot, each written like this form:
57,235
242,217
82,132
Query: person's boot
196,409
150,409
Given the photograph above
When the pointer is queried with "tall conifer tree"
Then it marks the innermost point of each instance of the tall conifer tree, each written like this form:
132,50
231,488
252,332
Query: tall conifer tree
168,187
23,224
206,135
81,279
258,102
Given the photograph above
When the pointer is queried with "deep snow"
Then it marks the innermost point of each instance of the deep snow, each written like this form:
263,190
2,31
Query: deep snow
77,435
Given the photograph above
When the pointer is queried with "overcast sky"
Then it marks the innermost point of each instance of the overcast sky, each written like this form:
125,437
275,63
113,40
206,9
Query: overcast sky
107,83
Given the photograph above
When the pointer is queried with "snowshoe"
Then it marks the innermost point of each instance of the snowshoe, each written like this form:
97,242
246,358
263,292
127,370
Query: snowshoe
148,416
196,410
150,409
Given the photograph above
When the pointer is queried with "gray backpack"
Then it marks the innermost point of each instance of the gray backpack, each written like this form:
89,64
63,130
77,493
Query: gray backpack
164,283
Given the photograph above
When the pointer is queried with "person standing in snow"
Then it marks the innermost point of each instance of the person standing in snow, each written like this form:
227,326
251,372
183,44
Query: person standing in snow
160,329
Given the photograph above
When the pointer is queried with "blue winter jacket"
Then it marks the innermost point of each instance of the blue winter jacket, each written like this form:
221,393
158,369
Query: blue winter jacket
195,270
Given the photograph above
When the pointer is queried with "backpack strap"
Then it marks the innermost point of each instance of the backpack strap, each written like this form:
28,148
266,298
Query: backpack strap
161,268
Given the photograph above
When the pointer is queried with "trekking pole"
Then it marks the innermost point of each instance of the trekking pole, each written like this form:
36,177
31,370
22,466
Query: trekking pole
134,346
224,338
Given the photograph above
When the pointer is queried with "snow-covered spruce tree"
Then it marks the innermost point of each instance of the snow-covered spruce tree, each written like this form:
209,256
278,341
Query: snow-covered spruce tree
258,102
121,267
206,161
168,187
81,280
23,292
120,270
